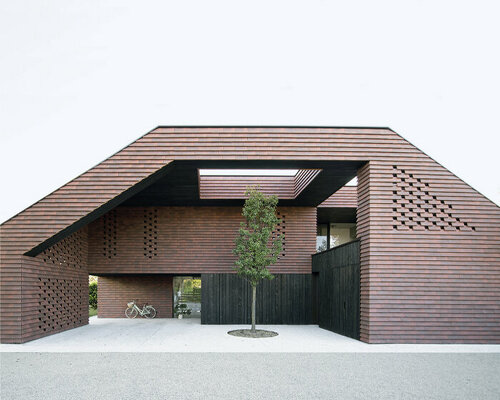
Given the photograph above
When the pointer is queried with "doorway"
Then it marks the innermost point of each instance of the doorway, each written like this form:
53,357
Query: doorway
338,289
187,296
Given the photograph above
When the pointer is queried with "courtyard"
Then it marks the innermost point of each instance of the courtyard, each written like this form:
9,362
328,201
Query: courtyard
188,335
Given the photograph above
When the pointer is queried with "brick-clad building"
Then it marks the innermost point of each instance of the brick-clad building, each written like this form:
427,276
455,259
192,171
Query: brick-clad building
412,253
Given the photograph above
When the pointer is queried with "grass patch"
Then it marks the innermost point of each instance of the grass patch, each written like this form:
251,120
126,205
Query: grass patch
92,311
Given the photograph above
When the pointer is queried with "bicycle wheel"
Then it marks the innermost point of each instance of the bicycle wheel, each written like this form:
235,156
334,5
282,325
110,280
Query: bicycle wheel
151,313
131,313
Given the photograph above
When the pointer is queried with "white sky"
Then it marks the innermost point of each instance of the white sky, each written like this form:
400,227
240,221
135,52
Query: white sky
81,79
249,172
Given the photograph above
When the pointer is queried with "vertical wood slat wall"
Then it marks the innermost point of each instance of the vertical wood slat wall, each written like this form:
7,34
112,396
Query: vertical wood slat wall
417,285
227,298
338,288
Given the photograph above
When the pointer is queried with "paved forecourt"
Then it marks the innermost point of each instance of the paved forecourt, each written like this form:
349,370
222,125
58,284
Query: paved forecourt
188,335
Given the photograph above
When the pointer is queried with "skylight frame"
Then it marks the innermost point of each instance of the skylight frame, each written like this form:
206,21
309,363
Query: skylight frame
248,172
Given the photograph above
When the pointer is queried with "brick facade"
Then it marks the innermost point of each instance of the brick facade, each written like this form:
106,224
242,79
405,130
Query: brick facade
430,244
114,292
55,288
189,240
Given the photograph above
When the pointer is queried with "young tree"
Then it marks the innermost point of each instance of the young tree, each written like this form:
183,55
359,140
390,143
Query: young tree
255,245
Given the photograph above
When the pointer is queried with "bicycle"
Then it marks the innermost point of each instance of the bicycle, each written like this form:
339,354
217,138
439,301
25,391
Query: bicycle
132,310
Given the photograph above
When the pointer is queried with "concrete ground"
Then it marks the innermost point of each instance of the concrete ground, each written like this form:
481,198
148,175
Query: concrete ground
187,335
289,376
170,358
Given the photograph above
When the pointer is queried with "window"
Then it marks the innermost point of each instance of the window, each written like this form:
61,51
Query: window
322,237
341,233
334,234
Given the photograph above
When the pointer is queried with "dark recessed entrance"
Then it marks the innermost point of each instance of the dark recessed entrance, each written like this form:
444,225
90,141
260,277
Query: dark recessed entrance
187,296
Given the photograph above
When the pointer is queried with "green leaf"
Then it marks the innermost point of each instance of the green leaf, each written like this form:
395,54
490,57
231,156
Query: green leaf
254,245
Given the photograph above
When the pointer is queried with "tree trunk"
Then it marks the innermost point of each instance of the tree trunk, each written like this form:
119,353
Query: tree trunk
254,291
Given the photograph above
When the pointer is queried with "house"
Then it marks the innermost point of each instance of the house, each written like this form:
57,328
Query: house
409,255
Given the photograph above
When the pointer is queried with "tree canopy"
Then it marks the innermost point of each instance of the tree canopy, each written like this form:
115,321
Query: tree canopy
257,245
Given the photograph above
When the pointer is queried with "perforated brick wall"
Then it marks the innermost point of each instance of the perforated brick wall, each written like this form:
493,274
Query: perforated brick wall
416,207
150,232
58,299
188,240
280,231
55,288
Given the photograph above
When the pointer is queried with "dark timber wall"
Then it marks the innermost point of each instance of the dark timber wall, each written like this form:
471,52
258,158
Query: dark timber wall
338,289
226,299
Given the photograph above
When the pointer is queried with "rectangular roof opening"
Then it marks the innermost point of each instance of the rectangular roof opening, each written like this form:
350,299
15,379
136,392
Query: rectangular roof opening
248,172
232,183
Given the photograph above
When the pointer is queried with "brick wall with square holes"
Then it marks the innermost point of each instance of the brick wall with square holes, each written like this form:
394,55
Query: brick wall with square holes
187,240
55,288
